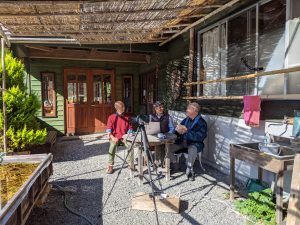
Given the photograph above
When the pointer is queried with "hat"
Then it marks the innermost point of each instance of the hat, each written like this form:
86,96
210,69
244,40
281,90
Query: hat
157,104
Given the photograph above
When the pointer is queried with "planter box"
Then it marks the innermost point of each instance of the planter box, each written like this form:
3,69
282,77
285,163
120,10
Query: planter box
18,208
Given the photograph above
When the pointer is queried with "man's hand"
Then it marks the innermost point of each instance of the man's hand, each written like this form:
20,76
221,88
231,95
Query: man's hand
113,138
181,129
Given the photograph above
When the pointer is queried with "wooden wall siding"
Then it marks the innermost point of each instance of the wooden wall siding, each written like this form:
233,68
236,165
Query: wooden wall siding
39,65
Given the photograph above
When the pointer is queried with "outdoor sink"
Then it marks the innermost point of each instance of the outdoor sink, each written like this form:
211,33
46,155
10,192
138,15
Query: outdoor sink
285,151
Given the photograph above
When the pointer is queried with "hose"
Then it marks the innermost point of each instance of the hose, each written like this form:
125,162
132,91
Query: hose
2,154
70,209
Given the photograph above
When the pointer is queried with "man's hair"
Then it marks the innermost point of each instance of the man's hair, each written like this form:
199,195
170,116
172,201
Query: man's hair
157,104
194,105
118,103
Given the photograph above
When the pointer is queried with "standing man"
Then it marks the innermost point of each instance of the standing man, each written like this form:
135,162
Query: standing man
190,134
117,125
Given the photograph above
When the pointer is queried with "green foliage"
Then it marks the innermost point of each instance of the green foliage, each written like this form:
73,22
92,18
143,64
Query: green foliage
259,207
21,109
23,138
176,75
14,71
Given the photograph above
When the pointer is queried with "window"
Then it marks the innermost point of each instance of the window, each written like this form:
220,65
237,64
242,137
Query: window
77,88
127,93
242,44
48,94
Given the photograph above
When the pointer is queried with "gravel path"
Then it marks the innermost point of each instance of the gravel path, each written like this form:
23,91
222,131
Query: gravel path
79,167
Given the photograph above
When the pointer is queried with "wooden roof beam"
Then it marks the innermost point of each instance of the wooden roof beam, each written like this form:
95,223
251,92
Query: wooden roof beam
227,5
41,48
170,9
86,55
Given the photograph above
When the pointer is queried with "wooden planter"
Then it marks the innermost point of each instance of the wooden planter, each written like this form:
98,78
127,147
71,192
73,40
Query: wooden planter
17,209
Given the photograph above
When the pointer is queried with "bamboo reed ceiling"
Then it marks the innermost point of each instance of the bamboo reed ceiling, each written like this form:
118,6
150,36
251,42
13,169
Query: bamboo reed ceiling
103,22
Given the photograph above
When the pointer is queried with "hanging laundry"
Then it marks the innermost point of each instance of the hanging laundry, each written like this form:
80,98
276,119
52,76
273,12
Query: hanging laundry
252,110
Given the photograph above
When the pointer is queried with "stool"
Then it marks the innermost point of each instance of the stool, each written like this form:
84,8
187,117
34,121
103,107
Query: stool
184,152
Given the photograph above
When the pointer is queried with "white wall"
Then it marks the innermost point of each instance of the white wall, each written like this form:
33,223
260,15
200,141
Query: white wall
222,131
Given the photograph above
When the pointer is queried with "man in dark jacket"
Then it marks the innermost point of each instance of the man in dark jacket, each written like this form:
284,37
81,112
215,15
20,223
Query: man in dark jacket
191,133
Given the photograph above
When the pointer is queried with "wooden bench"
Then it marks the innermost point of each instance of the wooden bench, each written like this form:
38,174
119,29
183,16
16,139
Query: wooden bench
51,138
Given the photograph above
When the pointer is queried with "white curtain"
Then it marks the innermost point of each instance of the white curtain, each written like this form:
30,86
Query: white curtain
211,61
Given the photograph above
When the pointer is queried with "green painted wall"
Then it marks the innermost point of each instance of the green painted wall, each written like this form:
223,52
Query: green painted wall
36,66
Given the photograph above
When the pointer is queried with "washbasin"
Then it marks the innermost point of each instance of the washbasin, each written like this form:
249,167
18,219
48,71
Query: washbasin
284,152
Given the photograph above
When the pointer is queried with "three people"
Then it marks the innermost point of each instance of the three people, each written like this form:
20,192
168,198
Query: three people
191,132
118,124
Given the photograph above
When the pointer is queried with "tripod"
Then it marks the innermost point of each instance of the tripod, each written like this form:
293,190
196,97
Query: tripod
149,160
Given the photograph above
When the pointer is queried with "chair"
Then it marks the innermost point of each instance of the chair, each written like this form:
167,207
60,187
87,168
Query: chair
184,152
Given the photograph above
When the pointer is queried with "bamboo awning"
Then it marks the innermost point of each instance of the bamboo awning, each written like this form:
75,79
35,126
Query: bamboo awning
105,22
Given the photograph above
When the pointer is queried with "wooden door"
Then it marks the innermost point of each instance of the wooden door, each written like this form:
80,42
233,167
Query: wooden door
103,98
89,97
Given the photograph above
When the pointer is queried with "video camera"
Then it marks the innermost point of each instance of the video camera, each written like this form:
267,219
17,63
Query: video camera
139,120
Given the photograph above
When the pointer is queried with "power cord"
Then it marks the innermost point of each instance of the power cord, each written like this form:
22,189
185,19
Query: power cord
70,209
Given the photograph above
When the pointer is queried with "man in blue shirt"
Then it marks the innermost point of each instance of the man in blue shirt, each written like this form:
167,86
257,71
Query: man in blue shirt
191,133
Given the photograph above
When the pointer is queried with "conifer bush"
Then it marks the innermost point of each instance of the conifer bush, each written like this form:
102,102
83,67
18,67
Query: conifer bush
22,107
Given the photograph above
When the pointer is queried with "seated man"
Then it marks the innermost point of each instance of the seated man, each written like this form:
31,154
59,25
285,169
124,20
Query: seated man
166,126
117,125
158,115
190,134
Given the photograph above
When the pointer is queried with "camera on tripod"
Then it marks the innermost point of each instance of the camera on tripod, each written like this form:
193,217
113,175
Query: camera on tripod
139,120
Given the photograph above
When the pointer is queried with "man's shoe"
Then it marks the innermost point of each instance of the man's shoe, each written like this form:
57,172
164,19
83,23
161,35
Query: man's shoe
110,169
190,174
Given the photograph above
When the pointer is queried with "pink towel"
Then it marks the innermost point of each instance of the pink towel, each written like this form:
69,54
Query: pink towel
252,110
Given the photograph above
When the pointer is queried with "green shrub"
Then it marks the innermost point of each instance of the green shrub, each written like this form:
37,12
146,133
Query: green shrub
259,207
23,138
14,71
22,107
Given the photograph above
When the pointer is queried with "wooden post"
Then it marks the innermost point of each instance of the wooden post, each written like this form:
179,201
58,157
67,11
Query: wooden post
293,212
232,177
260,174
140,165
167,161
191,61
3,93
279,198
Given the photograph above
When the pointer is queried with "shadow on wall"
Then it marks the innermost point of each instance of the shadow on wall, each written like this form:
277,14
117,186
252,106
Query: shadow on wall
46,125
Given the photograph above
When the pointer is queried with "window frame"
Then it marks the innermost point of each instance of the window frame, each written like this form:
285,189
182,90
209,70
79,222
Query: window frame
44,113
218,24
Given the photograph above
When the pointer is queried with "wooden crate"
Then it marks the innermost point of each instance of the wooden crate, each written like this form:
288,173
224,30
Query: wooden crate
143,201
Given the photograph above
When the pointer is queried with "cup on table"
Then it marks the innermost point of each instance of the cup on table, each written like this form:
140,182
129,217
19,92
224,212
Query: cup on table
161,136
